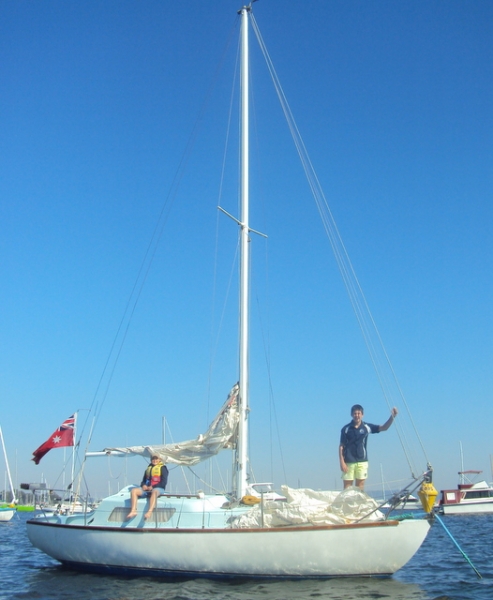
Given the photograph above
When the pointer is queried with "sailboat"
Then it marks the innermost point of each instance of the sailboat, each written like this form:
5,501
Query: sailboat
245,533
7,511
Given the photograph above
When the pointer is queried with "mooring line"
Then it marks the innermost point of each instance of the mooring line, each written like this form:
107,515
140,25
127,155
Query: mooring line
460,549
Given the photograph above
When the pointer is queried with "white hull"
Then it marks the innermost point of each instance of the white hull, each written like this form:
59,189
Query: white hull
468,499
468,508
330,551
6,514
405,507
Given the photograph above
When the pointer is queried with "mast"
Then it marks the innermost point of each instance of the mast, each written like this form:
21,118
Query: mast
462,479
242,451
72,472
383,484
14,499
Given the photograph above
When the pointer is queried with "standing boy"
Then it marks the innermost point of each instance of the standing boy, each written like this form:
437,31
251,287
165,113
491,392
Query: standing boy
353,456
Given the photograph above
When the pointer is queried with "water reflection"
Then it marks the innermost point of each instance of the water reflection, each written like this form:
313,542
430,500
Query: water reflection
55,583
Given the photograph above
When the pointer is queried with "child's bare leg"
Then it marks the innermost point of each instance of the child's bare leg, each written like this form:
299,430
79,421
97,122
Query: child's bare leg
134,494
152,504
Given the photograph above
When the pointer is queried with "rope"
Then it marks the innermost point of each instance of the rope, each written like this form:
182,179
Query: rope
460,549
381,362
100,394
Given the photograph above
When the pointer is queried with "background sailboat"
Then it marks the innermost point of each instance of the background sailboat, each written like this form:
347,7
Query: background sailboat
7,510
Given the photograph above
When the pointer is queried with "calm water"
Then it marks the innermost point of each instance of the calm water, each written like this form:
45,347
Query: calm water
437,571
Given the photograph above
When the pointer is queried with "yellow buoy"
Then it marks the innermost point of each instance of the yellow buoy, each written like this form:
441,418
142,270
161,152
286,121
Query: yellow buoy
427,494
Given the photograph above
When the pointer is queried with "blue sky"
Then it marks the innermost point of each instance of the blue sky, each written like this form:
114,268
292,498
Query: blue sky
98,105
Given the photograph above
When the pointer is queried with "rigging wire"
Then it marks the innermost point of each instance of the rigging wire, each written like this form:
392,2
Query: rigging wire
106,377
265,330
215,342
371,335
272,403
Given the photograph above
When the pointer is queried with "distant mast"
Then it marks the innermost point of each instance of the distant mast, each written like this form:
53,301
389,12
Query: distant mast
242,450
14,499
462,479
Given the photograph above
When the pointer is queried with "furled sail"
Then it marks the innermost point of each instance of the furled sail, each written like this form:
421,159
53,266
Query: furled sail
305,507
221,434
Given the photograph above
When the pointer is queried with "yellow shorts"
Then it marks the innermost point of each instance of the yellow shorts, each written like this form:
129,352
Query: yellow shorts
357,470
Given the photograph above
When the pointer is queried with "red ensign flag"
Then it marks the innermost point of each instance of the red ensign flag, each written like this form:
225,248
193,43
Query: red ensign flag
63,436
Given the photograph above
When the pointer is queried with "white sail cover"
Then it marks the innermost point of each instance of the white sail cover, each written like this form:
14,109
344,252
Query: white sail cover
222,433
305,507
